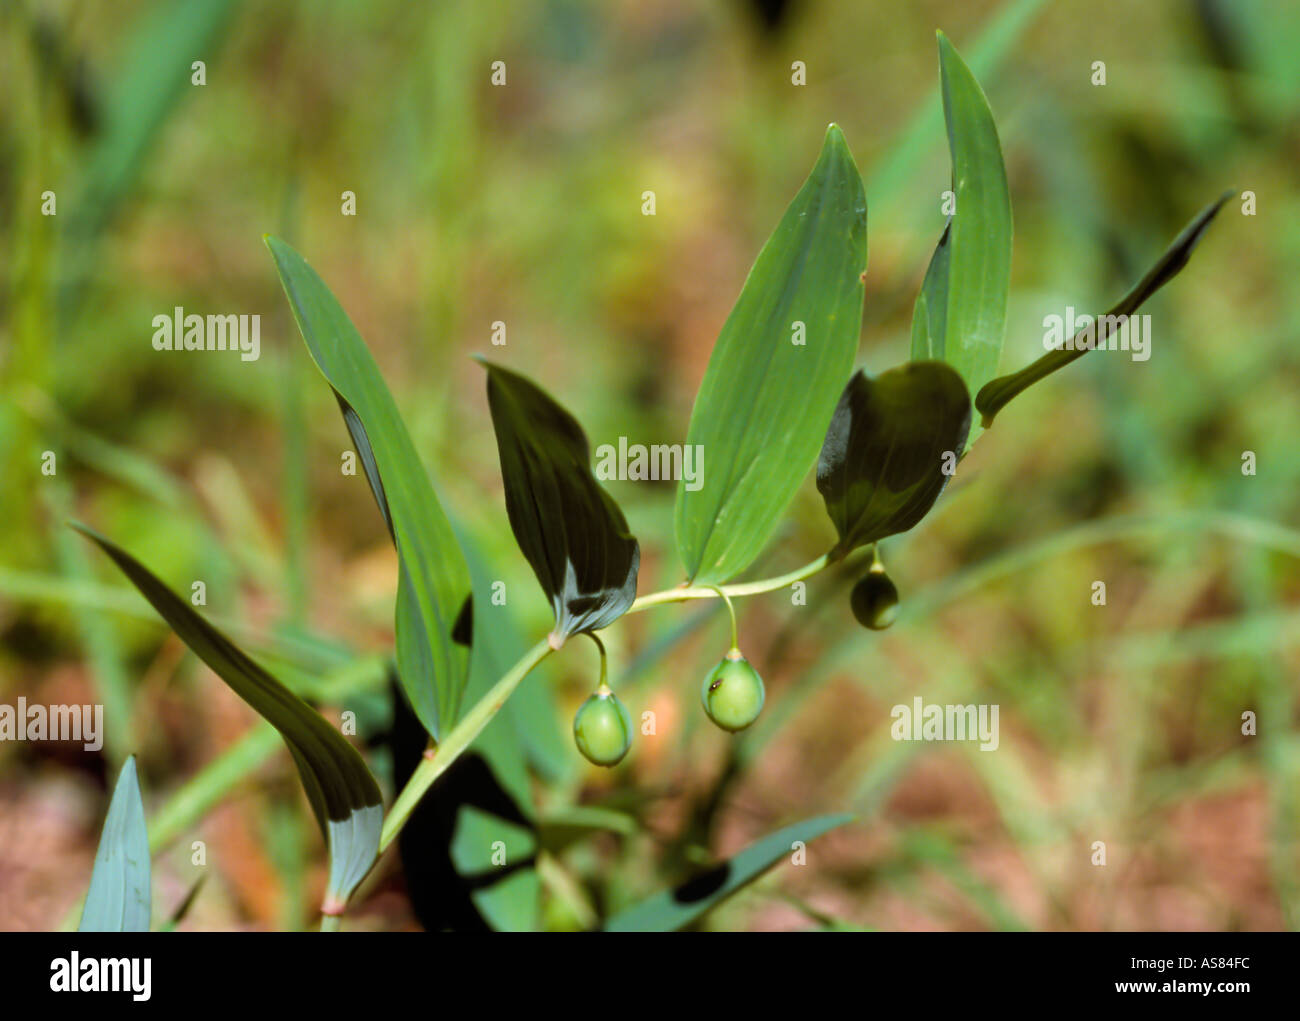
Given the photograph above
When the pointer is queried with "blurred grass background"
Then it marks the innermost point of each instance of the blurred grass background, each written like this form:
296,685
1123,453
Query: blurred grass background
522,204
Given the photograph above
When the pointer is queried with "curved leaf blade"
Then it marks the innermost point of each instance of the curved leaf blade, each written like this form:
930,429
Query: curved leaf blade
433,579
930,314
960,314
763,405
995,395
571,531
672,909
341,790
119,898
881,467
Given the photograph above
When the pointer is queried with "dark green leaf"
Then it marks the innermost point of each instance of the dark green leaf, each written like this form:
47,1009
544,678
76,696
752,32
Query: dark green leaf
342,793
119,896
763,405
993,397
960,314
668,911
570,530
882,465
433,580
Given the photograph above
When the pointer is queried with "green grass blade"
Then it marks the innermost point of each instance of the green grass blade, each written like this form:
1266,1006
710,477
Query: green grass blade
672,909
994,396
433,578
960,315
140,101
768,393
342,792
119,896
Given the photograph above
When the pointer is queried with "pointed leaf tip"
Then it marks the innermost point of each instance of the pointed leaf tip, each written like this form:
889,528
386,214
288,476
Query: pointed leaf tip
960,314
119,898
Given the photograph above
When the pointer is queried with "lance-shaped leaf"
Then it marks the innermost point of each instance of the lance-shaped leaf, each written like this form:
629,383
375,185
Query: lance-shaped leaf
341,790
433,579
570,530
119,897
891,438
994,396
775,372
960,314
668,911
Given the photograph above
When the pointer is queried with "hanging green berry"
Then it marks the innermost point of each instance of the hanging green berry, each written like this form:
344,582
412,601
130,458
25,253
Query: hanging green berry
875,598
733,693
602,728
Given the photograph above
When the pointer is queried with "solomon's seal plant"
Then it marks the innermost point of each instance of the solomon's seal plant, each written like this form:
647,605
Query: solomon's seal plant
779,398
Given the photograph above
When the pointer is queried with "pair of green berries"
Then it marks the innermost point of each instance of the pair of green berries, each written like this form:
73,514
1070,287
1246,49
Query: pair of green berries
732,694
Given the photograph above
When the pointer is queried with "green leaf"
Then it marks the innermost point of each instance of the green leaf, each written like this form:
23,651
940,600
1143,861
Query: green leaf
506,890
763,405
960,314
508,897
881,467
930,314
496,643
994,396
569,529
341,790
433,580
477,832
119,897
668,911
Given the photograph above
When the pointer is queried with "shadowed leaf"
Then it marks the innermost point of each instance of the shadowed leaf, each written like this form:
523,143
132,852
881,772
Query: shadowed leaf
570,530
881,467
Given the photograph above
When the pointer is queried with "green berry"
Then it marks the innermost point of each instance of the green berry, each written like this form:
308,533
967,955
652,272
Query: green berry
602,729
875,601
732,693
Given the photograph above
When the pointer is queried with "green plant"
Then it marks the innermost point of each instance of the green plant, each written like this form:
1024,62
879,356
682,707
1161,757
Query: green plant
779,396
